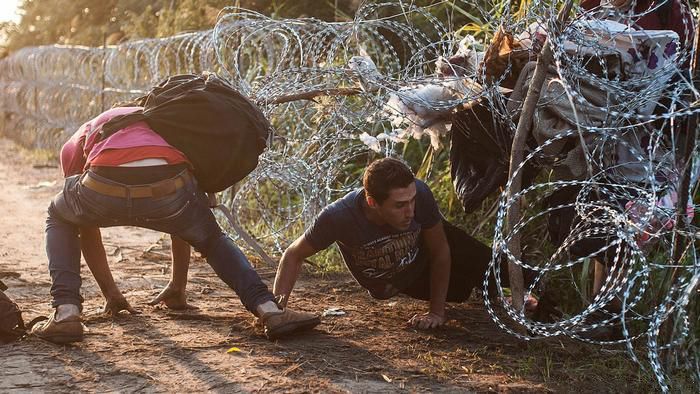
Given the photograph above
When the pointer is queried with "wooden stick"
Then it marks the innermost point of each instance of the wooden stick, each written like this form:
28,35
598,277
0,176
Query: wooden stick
686,167
246,237
312,94
686,159
515,272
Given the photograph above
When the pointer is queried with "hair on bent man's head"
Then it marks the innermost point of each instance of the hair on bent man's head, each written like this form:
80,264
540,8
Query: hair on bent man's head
383,175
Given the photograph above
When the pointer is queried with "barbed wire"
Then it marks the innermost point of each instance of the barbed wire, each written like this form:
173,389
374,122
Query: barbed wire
334,90
622,202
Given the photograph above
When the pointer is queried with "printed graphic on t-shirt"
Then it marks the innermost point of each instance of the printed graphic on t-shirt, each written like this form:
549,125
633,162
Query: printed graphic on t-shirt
386,256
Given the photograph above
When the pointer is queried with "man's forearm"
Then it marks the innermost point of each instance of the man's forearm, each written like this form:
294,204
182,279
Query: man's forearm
439,282
287,274
96,260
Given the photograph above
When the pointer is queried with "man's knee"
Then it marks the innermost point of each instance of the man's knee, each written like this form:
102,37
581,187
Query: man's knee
209,243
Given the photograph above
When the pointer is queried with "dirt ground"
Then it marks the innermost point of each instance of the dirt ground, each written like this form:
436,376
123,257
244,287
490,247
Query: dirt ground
368,349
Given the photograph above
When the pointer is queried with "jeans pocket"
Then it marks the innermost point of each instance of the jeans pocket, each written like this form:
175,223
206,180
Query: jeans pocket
169,217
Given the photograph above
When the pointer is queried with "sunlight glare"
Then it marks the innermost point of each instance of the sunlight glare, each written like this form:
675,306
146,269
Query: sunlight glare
8,11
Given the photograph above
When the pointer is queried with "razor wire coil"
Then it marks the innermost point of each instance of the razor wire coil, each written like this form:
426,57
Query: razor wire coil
390,49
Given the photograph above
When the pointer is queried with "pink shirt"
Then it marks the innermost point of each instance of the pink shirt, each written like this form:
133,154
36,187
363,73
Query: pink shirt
82,148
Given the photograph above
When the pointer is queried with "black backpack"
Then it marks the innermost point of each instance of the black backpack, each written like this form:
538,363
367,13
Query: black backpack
221,132
11,323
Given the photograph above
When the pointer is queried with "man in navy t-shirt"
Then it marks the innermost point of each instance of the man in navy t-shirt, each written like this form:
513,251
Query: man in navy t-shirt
393,240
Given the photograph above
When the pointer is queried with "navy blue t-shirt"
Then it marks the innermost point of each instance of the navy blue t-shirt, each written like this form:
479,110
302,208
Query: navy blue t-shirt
382,259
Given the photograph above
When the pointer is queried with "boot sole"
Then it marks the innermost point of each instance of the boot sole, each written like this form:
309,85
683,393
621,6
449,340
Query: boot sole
292,328
61,339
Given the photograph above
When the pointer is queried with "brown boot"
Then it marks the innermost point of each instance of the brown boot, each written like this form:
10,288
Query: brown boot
287,322
67,330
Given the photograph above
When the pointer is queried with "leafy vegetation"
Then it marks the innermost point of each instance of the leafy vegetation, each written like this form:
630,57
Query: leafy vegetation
94,22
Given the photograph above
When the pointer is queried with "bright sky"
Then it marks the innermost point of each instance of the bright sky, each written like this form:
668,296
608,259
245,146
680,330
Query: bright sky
8,10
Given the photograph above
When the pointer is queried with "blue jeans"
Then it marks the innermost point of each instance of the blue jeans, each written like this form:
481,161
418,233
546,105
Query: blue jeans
184,213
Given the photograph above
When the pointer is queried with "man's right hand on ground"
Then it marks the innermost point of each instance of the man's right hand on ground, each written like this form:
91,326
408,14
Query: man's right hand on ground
173,298
426,320
114,305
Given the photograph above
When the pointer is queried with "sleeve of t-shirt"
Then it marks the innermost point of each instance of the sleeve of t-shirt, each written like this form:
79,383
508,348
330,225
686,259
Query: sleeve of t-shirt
427,211
322,234
72,155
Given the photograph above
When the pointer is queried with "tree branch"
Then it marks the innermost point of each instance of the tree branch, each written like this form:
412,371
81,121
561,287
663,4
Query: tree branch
515,272
312,94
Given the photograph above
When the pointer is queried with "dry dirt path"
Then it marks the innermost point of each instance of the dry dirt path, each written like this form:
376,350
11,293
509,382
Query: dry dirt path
369,349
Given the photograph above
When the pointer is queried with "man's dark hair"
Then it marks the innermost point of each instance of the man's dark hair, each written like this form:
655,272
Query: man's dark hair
383,175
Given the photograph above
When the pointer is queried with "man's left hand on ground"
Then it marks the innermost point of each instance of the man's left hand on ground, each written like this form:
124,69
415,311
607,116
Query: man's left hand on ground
427,320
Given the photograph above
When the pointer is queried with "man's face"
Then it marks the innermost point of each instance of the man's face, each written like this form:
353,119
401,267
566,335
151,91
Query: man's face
399,208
